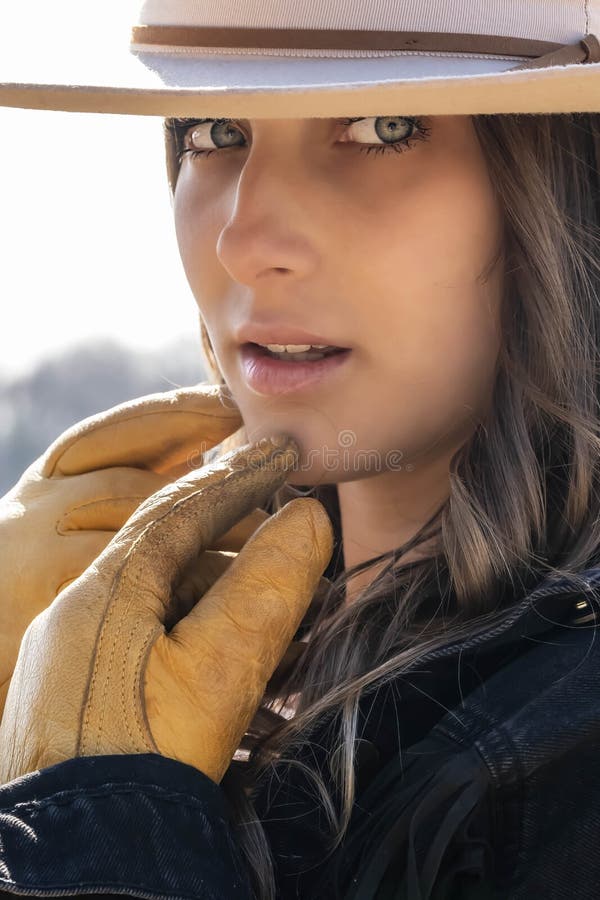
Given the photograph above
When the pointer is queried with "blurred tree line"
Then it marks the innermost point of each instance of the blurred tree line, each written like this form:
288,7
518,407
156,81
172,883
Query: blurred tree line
36,408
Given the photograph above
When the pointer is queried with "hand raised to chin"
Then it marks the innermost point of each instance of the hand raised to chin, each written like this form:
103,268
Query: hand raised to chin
101,672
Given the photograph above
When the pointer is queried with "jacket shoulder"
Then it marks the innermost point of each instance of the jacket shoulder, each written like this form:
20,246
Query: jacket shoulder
536,727
501,799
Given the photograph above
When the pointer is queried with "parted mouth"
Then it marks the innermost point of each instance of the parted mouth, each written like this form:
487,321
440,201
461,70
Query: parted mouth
299,348
301,353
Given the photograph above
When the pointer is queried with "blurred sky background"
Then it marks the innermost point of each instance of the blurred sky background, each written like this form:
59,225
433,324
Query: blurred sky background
86,234
94,305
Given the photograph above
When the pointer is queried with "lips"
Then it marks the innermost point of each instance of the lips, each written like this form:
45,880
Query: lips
265,374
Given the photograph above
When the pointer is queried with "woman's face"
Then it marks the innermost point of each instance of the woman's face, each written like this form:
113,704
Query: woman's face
296,223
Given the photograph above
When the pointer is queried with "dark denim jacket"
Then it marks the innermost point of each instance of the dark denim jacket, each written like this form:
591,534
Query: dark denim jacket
493,795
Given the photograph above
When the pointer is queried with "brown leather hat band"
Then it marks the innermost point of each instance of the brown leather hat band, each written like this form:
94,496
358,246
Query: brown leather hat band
585,51
346,39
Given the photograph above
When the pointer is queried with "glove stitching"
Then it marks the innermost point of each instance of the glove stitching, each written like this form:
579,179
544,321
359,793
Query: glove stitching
92,687
138,742
141,737
125,578
123,682
136,711
117,633
69,531
130,560
129,563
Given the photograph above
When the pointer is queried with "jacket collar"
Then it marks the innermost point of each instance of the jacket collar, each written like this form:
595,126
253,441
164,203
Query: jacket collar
555,600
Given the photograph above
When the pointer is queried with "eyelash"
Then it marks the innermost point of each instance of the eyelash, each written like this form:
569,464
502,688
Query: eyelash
180,127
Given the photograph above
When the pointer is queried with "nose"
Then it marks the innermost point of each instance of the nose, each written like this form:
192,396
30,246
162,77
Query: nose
271,230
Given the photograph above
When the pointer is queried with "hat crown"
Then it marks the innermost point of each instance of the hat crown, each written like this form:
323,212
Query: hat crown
563,21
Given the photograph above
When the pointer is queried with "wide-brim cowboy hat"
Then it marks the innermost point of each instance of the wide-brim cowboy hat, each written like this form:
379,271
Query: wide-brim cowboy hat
260,58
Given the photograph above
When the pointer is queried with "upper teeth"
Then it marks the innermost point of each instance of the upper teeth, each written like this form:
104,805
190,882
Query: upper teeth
293,348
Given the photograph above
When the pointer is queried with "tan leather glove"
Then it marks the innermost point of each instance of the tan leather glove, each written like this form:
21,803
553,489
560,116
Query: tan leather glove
98,672
71,501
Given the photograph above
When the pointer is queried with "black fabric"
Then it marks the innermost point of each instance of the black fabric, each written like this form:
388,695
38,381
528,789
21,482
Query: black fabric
479,779
142,825
392,718
397,716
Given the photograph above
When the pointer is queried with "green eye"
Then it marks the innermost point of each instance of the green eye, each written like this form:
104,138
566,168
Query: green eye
382,134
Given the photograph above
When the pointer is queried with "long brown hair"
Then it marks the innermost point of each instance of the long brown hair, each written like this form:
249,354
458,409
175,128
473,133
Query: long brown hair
523,500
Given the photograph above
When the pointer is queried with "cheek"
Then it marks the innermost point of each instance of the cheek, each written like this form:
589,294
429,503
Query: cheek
435,321
441,226
428,258
196,218
440,369
185,226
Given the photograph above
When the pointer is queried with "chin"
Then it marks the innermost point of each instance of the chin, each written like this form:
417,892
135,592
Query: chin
323,456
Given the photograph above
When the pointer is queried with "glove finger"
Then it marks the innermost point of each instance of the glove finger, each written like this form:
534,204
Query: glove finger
130,586
268,586
265,718
103,500
157,432
106,498
170,529
237,634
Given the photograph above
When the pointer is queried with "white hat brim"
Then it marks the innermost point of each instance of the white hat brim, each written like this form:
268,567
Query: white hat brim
259,85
